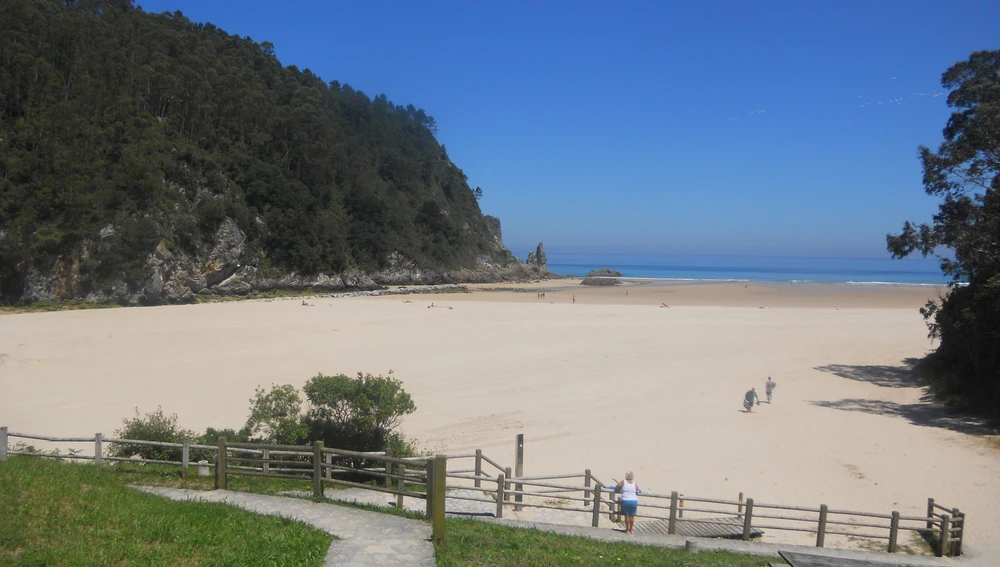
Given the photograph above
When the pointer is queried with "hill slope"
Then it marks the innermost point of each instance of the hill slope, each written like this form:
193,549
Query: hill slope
146,158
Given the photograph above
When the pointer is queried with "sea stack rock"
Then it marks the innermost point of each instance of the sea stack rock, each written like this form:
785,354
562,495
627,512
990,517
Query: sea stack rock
537,258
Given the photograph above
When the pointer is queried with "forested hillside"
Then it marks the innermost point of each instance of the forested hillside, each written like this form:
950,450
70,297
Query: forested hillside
145,157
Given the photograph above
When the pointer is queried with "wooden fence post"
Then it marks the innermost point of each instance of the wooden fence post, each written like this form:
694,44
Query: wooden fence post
739,508
400,484
930,513
672,524
747,520
944,546
959,518
220,465
680,511
506,486
479,467
318,469
500,495
893,532
388,469
519,472
429,480
440,478
3,443
329,460
821,529
265,461
185,459
98,449
596,520
586,484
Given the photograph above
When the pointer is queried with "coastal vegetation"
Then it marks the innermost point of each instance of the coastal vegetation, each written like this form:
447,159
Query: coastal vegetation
64,514
964,173
360,413
131,140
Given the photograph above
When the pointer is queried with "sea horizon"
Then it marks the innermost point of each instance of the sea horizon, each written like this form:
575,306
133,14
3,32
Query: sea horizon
736,268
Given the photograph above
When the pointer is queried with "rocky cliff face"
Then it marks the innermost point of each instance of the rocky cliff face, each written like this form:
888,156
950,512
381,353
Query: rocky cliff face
225,266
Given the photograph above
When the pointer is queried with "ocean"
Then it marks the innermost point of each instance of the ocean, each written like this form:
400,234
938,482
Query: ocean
856,271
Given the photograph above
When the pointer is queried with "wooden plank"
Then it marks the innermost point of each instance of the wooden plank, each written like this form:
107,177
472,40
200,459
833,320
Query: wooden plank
796,559
726,527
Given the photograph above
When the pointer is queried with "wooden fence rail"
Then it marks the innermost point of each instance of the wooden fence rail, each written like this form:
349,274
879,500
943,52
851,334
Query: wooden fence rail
402,477
598,499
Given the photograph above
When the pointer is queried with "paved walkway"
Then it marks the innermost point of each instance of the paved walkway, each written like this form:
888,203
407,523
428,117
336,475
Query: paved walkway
366,538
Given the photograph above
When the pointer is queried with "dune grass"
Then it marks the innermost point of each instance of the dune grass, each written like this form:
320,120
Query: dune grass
57,513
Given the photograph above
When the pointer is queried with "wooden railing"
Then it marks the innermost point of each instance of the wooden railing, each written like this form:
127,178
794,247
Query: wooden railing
594,498
426,478
316,464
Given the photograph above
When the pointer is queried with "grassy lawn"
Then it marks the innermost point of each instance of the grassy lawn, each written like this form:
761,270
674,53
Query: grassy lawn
471,543
56,513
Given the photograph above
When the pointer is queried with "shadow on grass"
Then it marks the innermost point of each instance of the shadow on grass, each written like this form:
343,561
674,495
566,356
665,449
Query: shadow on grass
902,376
925,414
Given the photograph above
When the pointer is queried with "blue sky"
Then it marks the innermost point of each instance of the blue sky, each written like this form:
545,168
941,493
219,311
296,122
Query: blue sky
656,127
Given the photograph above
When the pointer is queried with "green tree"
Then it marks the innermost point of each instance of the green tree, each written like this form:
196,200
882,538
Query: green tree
964,173
276,416
361,413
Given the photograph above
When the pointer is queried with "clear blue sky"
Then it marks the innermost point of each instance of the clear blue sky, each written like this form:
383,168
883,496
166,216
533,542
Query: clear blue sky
787,128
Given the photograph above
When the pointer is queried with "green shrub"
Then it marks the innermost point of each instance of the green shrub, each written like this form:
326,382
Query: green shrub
154,426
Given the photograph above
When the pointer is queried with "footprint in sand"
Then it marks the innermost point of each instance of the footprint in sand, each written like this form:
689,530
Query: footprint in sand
855,472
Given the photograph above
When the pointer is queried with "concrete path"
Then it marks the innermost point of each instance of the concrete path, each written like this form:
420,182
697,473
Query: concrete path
366,538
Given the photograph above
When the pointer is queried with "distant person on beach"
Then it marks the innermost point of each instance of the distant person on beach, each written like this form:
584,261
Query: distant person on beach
630,500
749,398
664,304
769,388
574,299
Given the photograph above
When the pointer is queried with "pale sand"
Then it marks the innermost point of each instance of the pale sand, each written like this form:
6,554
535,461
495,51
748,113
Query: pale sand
611,383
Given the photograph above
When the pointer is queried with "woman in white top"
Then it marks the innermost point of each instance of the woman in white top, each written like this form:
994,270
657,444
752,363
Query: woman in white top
630,500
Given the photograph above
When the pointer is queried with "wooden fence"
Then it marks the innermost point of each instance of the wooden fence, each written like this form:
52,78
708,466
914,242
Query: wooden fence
593,497
427,478
422,477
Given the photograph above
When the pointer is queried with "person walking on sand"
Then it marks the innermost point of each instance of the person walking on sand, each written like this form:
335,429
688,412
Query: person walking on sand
749,398
769,388
630,500
574,300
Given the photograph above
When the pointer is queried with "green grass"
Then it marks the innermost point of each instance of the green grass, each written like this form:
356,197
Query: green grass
56,513
170,476
471,543
53,305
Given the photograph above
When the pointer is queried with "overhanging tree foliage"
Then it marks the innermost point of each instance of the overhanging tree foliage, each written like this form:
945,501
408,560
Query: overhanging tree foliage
965,235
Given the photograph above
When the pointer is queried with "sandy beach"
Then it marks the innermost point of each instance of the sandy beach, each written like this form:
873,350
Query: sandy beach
612,382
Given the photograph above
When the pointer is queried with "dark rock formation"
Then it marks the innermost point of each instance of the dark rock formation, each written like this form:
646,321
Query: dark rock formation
537,259
604,276
225,266
604,273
